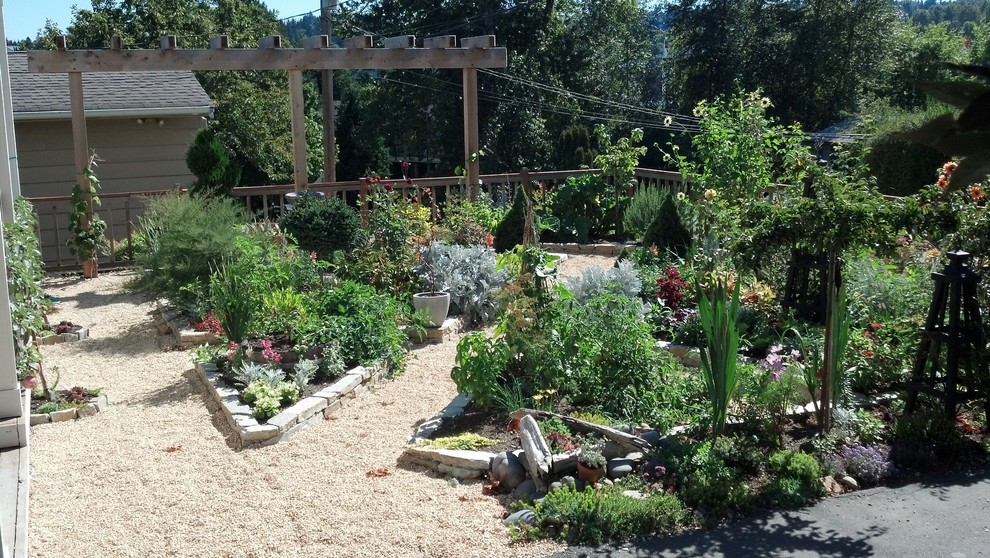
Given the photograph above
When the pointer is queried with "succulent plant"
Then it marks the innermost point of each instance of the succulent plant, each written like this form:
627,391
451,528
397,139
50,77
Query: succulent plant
591,459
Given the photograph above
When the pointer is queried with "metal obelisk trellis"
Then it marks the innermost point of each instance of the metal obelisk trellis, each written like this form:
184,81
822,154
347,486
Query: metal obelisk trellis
951,364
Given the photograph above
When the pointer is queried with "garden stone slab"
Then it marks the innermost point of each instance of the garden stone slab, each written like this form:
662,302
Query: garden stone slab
40,419
259,433
102,402
87,410
332,407
242,421
479,461
284,420
234,405
346,384
306,408
63,415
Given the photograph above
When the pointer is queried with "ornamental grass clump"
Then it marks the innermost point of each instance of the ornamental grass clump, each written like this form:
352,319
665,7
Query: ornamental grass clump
719,357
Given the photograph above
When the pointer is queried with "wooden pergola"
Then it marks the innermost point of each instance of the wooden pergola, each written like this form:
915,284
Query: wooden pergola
317,54
357,53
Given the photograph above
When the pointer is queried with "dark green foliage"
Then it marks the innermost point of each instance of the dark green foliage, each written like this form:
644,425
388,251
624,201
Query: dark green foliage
708,483
585,208
642,211
922,437
592,516
363,322
24,274
207,158
186,239
666,232
797,478
509,232
323,225
901,167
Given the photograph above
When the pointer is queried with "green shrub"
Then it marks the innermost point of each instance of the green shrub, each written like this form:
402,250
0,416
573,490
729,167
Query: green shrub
186,239
468,441
593,516
643,209
578,204
797,478
666,231
361,321
207,158
323,225
459,212
901,167
509,232
710,484
24,274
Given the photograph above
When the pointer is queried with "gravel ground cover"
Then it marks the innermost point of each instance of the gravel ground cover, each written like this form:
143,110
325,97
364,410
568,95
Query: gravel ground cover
157,473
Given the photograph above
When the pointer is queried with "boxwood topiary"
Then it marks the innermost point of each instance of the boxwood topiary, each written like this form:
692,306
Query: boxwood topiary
666,232
509,232
323,225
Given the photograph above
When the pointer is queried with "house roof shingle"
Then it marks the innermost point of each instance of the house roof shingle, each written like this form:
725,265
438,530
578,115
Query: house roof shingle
117,91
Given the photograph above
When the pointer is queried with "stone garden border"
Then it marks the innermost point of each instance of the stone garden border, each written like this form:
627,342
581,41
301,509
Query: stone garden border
461,464
603,249
95,405
186,336
318,406
56,338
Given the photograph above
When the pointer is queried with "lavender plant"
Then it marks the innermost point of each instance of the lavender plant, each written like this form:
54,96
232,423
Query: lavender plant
869,464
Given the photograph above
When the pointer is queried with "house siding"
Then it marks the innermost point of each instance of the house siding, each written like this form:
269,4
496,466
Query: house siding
132,157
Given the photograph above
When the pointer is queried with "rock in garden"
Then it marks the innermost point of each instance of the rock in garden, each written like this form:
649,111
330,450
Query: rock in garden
555,486
634,494
849,482
526,491
832,486
508,470
521,517
606,482
611,450
618,468
652,436
568,480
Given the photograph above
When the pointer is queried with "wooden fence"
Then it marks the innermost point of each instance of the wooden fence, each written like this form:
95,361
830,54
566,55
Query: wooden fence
122,211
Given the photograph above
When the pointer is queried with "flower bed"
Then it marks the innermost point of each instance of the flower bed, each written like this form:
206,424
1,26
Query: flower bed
95,405
291,420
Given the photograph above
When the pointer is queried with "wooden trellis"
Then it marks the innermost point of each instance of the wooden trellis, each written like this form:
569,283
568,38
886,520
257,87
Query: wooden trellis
317,54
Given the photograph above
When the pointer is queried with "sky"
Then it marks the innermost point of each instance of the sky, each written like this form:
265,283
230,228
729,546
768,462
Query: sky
23,18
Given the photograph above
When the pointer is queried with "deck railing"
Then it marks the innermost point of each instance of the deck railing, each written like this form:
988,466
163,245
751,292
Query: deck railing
122,211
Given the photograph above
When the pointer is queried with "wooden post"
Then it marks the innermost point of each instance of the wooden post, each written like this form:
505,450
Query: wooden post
80,142
825,412
471,143
300,175
326,84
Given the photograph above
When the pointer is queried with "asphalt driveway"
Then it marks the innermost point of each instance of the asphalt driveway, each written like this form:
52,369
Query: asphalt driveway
940,516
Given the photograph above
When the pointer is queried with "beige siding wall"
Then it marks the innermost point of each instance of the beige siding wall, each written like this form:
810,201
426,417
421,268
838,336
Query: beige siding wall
134,157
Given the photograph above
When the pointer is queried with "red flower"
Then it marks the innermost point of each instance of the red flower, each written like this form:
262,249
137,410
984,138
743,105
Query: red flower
820,374
388,186
408,181
976,193
875,325
868,354
943,182
950,167
490,241
405,166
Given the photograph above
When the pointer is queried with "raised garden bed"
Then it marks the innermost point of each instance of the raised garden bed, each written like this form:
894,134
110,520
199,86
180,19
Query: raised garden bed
186,336
291,420
96,404
64,332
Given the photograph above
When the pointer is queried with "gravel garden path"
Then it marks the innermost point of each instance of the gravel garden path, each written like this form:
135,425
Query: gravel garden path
157,474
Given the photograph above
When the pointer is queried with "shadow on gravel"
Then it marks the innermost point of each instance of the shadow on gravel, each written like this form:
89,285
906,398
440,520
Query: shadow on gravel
176,392
131,341
192,383
767,534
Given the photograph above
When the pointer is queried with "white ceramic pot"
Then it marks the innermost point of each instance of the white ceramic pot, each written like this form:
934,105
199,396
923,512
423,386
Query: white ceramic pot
437,304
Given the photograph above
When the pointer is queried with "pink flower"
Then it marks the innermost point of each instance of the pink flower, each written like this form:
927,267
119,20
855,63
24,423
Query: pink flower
312,256
388,186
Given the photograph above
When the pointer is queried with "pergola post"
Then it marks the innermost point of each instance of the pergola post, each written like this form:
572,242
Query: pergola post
472,145
300,174
326,84
80,144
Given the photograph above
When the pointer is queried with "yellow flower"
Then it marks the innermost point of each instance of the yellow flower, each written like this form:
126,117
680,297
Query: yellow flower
711,194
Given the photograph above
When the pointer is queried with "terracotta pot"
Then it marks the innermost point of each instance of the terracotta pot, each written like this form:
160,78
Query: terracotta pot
90,269
589,475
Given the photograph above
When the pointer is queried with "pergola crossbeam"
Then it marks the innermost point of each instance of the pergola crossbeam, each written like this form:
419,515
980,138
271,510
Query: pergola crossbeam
240,59
400,53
